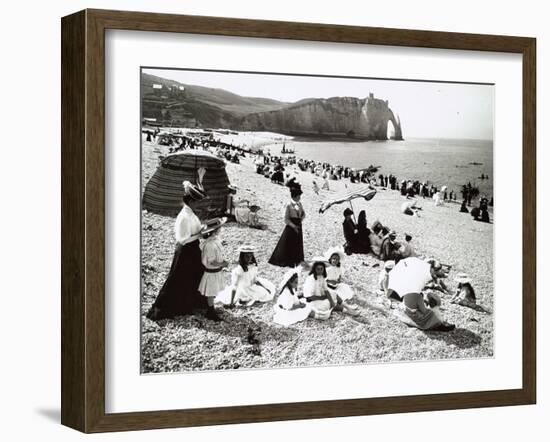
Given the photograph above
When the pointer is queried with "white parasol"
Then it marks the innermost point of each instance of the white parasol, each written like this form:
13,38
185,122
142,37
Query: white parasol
410,275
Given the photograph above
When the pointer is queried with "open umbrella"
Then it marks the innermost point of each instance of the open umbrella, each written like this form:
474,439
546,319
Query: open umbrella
410,275
365,192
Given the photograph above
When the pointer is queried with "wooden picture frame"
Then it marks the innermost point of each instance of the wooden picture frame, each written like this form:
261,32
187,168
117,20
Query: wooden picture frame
83,219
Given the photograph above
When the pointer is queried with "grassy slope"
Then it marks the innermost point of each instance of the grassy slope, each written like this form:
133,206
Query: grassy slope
216,99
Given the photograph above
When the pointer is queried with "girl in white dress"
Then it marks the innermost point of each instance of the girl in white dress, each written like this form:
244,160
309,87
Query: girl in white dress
246,286
316,292
290,308
212,281
384,277
335,273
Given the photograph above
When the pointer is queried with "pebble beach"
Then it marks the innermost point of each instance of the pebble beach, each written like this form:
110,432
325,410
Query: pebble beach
247,337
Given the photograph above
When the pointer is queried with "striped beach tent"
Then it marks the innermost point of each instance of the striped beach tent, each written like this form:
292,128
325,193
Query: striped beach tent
164,191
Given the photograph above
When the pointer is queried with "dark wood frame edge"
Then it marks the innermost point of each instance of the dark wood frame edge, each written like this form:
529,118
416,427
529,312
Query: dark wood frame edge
83,216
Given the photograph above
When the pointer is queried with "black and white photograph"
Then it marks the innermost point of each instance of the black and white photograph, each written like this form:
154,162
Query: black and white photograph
306,220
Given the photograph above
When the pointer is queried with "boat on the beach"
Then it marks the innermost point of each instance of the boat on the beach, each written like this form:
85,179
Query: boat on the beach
370,169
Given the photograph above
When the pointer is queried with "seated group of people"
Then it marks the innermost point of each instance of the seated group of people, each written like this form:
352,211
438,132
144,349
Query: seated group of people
419,308
378,240
480,213
275,173
323,290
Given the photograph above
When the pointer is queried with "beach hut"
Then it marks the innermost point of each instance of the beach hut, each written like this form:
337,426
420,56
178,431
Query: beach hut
164,191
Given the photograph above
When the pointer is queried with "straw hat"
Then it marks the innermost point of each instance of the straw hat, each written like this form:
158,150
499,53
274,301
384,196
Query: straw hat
463,278
246,248
213,225
335,251
288,276
388,265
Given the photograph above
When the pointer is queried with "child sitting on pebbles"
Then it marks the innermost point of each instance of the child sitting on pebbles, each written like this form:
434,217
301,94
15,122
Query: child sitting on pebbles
335,273
290,307
465,294
246,286
319,296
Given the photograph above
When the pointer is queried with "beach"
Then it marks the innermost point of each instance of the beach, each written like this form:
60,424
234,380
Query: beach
248,338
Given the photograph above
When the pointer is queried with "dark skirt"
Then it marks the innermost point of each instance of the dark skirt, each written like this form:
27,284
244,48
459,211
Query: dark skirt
289,251
179,295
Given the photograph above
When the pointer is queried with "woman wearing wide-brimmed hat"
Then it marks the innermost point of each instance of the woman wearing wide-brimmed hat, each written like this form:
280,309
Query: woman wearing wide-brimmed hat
289,251
179,294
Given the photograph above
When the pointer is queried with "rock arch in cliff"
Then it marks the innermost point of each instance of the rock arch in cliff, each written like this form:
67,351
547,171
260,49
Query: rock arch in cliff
359,118
396,123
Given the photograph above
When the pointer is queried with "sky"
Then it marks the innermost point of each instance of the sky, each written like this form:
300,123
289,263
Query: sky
426,109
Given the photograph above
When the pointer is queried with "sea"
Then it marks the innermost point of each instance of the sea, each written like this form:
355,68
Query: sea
450,162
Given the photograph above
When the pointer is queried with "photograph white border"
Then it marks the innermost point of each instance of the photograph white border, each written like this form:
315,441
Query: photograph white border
127,390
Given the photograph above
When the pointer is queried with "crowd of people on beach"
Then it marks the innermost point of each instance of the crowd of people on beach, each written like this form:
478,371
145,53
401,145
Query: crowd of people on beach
196,281
179,142
275,168
281,169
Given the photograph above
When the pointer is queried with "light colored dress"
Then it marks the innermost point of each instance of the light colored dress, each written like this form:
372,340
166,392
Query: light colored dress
247,290
289,310
438,198
213,280
186,226
344,291
318,287
383,281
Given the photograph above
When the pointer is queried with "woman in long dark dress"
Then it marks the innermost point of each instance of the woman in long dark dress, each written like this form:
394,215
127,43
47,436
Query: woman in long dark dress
179,295
363,232
289,251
